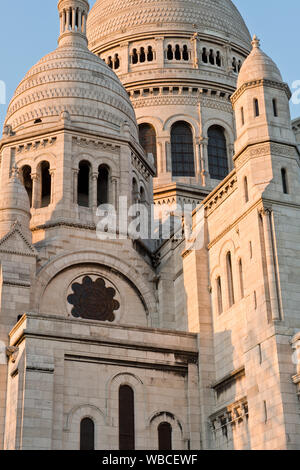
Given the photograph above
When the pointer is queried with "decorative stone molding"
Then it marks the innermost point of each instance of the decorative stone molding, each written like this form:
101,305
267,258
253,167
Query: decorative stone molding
221,194
261,83
12,353
235,413
260,150
93,143
36,145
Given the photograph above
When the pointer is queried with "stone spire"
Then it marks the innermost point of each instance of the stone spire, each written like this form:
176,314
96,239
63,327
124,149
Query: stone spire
73,17
255,42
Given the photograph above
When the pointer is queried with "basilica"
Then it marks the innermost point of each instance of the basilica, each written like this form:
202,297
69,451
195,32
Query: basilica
126,343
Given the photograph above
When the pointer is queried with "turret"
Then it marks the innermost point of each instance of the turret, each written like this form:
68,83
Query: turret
73,17
14,205
261,102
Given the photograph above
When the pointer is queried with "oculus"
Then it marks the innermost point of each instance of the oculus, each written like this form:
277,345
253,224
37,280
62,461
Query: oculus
92,300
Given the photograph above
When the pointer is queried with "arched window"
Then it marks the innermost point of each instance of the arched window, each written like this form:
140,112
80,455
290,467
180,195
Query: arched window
135,57
27,181
218,59
177,52
217,153
204,55
126,418
219,295
241,278
102,185
110,62
83,195
150,54
116,62
285,187
87,434
211,57
234,65
45,184
185,53
135,191
246,191
142,195
170,55
164,436
142,55
256,108
229,279
182,150
242,116
275,111
147,136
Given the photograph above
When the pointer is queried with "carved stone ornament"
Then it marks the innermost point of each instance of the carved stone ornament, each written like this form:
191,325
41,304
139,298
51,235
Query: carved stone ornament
92,300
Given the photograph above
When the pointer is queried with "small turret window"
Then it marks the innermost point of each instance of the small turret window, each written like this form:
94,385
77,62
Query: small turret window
46,184
246,192
285,187
177,52
219,295
242,116
142,55
134,56
256,108
150,54
230,280
275,111
170,55
102,185
204,55
185,53
241,278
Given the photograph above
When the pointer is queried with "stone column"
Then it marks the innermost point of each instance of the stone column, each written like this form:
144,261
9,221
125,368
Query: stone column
79,20
68,19
35,191
73,18
159,51
204,160
52,174
194,41
75,185
93,191
266,215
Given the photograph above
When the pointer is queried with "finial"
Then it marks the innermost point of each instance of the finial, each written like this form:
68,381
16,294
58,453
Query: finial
73,17
255,42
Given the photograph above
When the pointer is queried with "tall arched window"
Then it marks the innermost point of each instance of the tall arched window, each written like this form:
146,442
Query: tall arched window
164,436
256,108
275,110
170,54
241,278
84,184
102,185
285,187
219,295
45,184
135,191
150,54
177,52
182,149
246,191
27,181
87,434
229,279
217,153
147,136
126,418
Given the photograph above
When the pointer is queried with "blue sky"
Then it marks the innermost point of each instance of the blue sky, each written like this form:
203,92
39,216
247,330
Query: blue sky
34,27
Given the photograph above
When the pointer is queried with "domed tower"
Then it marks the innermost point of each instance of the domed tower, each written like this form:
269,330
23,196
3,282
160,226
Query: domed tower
179,61
71,129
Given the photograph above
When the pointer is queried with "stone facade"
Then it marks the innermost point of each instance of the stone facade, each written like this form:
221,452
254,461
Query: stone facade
203,330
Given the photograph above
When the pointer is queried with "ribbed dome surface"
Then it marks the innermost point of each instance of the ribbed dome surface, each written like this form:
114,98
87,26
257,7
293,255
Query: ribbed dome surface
258,66
220,17
75,80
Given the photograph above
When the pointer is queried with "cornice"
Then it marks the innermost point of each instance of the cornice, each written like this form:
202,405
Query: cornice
263,83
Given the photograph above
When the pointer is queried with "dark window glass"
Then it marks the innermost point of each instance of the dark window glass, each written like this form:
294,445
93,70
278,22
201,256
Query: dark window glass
182,150
275,108
230,279
204,55
170,54
241,278
219,295
164,436
246,189
177,52
83,184
217,153
147,137
117,62
87,434
150,54
126,418
185,53
102,186
142,55
27,181
135,57
46,184
284,181
256,108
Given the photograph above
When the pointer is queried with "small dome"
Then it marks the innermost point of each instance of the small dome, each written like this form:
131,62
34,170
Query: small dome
115,18
258,66
74,80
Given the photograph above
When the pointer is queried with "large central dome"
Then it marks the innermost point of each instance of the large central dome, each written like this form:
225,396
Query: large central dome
114,17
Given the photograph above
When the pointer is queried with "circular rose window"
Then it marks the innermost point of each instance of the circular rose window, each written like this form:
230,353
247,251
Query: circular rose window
93,298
